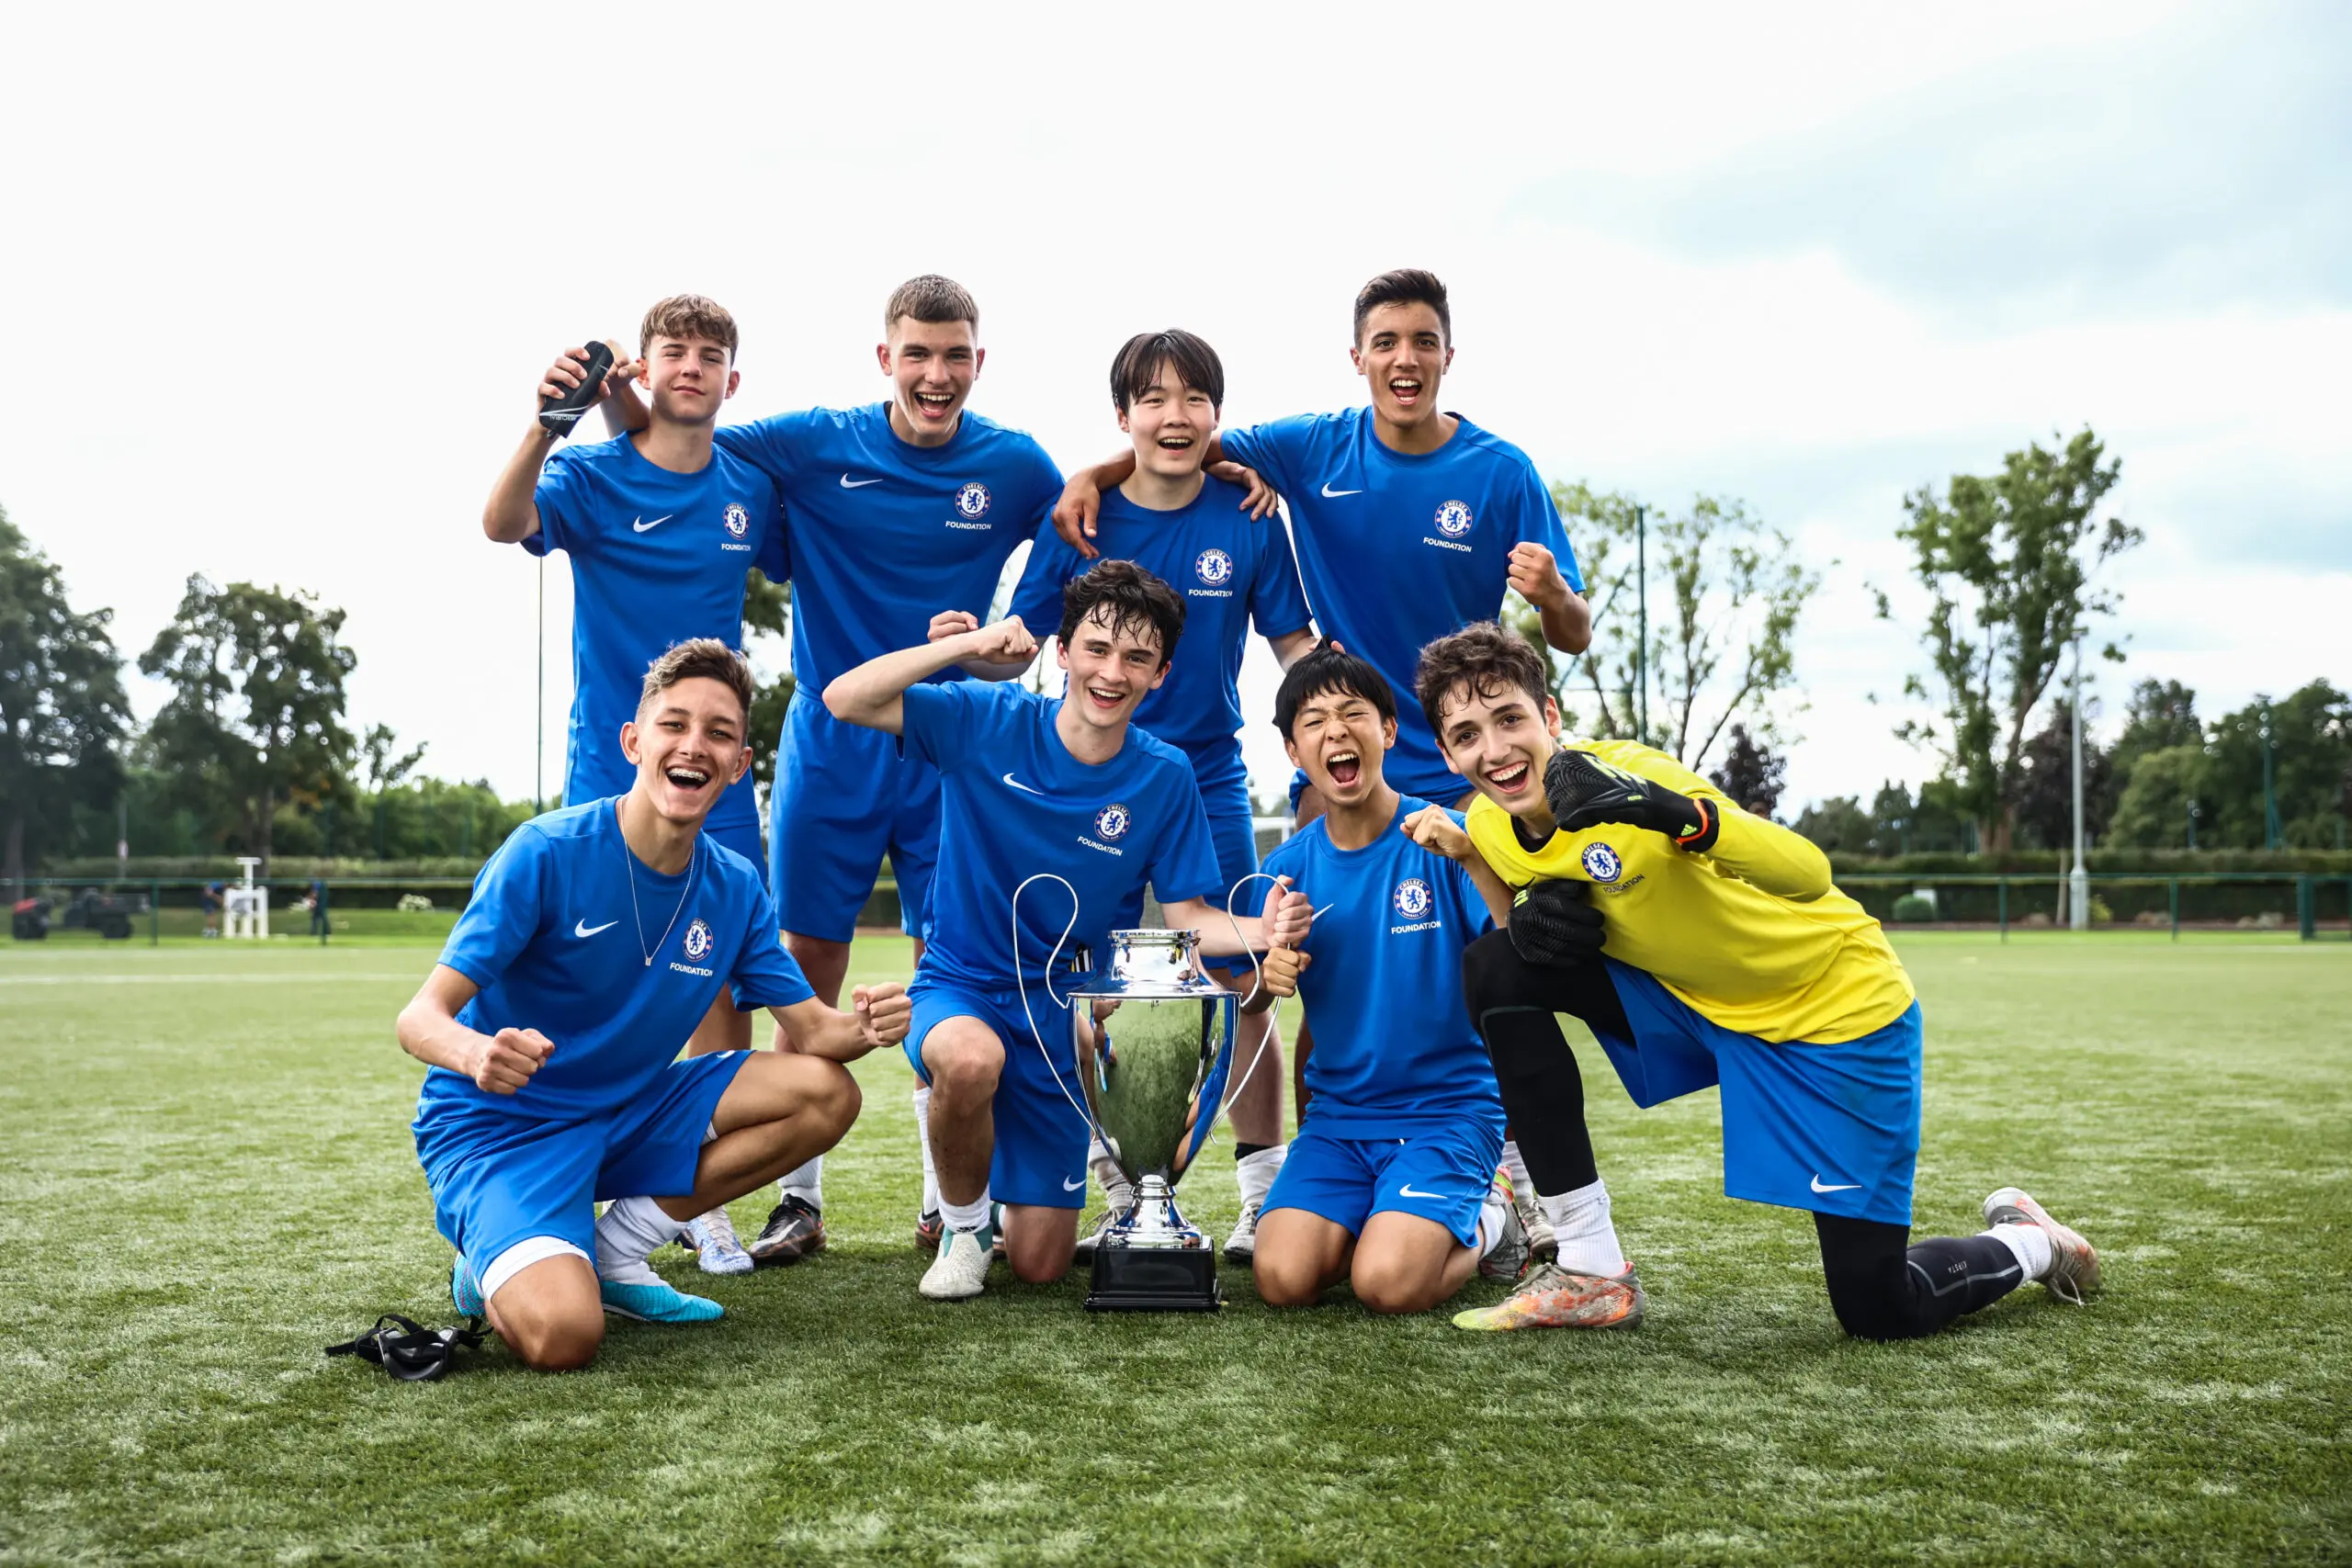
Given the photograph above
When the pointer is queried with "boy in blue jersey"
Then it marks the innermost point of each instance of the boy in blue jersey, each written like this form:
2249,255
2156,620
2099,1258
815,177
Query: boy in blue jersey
1391,1183
894,511
1189,529
597,937
661,527
1064,795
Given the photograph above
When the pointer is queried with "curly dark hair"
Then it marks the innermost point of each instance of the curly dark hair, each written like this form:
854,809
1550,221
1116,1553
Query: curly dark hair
1485,656
1127,599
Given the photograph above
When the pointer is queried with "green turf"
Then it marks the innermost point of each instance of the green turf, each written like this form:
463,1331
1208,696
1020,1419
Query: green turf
208,1176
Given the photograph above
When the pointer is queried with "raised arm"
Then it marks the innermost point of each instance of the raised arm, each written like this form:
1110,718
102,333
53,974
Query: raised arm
512,513
1434,829
428,1030
874,695
1668,798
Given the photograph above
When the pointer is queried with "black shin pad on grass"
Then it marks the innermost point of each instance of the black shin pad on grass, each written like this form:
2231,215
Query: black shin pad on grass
1884,1286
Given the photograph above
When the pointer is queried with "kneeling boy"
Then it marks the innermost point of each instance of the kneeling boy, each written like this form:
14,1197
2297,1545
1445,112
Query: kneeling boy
1731,958
599,936
1391,1183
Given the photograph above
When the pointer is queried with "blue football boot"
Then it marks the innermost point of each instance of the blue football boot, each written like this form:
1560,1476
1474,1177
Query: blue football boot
657,1303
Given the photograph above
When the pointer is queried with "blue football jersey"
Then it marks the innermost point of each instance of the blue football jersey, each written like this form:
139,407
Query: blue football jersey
1229,570
1400,549
1014,802
657,558
883,535
556,936
1393,1040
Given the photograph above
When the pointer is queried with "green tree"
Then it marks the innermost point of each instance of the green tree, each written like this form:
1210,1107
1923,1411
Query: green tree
2046,803
63,711
1729,591
2152,811
2311,754
255,715
1838,825
1751,774
2008,563
2160,715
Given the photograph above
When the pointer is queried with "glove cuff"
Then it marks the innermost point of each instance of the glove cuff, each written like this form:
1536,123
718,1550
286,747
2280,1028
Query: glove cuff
1708,825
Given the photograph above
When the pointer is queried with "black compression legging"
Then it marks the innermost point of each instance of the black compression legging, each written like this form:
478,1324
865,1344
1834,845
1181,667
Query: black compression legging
1880,1285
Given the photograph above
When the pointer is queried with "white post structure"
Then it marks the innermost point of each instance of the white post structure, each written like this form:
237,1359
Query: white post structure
248,907
2078,881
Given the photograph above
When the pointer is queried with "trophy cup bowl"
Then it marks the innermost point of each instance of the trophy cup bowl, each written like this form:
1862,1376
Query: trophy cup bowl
1154,1038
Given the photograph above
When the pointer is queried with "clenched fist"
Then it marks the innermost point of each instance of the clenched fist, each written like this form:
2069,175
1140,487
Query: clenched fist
504,1062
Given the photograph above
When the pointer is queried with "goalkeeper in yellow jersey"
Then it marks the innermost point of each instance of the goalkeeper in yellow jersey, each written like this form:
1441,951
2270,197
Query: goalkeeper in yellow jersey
1702,945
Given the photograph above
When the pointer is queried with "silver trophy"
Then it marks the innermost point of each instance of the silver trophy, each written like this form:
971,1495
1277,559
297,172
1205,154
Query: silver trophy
1154,1037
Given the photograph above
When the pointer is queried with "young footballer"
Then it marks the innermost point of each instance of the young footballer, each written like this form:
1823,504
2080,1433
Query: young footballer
597,937
1189,529
894,511
1032,786
1702,945
1391,1183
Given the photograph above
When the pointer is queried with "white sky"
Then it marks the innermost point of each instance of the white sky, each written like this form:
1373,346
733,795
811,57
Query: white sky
282,283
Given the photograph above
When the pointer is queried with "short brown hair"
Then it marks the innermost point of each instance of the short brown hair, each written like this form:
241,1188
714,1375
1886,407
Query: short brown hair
1141,358
699,659
1128,598
1406,286
684,316
930,297
1484,656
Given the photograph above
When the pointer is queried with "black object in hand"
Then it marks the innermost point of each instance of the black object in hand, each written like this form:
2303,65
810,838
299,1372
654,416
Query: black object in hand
1585,792
1555,924
559,414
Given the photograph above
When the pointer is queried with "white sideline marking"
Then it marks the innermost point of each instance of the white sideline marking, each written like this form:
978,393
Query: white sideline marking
192,979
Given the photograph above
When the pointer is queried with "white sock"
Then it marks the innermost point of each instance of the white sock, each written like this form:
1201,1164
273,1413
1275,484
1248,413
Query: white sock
1515,1166
626,1235
1116,1188
2030,1243
971,1216
922,1137
1492,1221
1255,1175
807,1183
1581,1220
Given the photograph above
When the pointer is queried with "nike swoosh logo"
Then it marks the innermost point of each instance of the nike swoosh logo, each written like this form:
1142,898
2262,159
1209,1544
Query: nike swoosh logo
582,928
1023,787
641,525
1330,494
848,483
1841,1186
1406,1191
1070,1186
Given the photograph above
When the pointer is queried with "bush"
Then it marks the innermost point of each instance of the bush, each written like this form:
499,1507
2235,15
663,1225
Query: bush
1911,907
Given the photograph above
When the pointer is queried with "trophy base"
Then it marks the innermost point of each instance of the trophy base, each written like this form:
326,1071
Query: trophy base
1154,1279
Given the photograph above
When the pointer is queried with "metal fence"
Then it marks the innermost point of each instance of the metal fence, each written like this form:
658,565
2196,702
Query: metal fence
2313,905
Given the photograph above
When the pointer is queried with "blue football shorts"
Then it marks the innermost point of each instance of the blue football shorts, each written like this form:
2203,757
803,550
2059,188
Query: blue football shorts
1041,1138
1834,1129
845,799
1441,1172
499,1178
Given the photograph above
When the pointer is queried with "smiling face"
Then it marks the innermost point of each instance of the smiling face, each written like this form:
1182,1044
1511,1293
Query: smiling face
688,742
1402,352
1170,422
932,365
688,378
1500,739
1112,669
1339,740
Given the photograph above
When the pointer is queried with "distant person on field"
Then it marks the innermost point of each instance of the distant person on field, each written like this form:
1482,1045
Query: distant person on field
212,895
661,528
597,938
1701,944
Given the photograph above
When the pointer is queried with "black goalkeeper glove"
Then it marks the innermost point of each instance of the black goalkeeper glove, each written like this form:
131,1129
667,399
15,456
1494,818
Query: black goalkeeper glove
1585,792
1555,924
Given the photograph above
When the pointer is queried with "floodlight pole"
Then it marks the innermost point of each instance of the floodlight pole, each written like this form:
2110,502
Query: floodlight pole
2078,882
1642,613
2272,837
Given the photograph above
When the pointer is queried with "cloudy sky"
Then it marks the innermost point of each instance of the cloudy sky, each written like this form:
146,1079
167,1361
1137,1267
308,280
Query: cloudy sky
282,283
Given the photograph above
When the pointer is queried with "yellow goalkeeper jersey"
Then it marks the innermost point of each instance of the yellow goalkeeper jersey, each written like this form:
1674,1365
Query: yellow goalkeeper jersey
1752,934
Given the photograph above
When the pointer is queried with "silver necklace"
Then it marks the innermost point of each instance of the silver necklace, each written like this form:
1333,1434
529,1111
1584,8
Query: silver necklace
628,864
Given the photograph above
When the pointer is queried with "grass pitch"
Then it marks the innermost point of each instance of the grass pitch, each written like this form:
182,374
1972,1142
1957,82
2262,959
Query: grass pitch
209,1177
